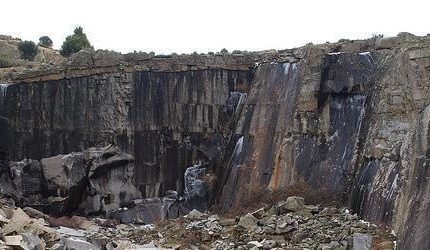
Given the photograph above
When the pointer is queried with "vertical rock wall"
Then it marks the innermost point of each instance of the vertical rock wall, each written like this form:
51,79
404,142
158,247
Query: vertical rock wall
180,118
165,120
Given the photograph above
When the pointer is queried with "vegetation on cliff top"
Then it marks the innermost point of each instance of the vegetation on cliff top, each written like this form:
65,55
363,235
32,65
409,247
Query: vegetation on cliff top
45,41
74,43
28,50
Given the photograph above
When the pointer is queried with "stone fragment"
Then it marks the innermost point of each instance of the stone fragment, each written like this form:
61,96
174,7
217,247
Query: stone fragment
147,211
248,221
33,242
361,242
285,227
227,222
259,213
295,204
70,232
195,215
292,204
34,213
255,243
14,241
78,244
128,245
24,241
16,224
197,187
268,244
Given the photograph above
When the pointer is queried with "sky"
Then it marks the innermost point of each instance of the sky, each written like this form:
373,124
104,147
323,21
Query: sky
185,26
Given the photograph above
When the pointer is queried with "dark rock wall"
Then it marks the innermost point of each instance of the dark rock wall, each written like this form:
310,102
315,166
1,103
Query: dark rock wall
56,117
166,120
282,145
180,118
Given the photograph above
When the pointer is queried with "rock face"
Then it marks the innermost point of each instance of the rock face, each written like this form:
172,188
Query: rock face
167,121
349,118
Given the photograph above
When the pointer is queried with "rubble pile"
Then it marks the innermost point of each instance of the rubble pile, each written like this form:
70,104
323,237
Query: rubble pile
287,225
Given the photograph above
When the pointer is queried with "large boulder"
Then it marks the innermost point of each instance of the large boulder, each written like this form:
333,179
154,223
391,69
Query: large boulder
91,181
150,210
197,191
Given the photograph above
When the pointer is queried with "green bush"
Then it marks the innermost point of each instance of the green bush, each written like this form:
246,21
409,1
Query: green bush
45,41
74,43
28,50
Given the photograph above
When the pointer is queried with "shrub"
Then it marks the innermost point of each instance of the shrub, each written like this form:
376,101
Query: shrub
74,43
45,41
224,51
28,50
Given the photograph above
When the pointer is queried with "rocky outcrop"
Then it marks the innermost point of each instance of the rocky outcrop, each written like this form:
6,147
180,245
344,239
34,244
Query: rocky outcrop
10,56
347,119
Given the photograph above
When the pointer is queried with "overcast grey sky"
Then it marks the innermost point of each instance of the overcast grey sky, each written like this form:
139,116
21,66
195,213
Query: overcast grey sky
166,26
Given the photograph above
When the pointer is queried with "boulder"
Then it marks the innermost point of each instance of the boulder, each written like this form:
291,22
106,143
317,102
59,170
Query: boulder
197,191
248,221
24,241
146,211
34,213
33,242
14,241
361,242
17,223
89,181
195,215
227,222
128,245
292,204
70,232
259,213
150,210
78,244
255,243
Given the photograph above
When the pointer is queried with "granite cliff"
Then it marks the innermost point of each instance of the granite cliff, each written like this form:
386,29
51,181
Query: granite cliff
349,118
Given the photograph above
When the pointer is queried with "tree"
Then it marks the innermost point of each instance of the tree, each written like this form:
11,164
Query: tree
45,41
28,50
74,43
